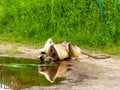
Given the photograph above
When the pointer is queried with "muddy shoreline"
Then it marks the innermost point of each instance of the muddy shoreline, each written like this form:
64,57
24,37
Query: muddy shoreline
85,74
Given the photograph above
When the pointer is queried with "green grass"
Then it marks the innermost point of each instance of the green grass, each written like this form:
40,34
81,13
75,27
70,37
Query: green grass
13,51
113,51
79,21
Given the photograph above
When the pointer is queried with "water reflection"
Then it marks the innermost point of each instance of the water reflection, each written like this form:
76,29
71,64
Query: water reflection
23,73
53,70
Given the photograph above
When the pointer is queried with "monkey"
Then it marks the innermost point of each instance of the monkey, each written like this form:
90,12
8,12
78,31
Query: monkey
64,51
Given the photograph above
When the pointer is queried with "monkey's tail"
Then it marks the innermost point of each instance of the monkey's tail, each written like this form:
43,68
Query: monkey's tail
99,56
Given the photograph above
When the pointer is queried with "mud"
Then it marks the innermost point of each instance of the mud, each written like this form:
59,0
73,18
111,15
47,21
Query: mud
85,74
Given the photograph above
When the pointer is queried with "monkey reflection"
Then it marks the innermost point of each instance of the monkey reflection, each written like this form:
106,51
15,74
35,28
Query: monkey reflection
53,70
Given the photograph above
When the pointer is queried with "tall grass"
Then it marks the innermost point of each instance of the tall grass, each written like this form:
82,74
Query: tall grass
78,21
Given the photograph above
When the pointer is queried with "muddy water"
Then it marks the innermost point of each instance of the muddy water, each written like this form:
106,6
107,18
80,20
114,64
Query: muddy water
20,73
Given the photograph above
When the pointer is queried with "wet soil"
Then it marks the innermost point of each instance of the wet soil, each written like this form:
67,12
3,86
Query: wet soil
86,73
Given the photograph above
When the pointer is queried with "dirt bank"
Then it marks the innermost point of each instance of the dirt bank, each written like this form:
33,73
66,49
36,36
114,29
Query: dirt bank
89,74
85,74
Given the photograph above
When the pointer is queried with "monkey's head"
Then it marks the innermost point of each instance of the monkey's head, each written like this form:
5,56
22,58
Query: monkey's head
43,52
52,53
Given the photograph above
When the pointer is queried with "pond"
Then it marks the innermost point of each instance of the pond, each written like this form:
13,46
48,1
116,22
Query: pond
20,73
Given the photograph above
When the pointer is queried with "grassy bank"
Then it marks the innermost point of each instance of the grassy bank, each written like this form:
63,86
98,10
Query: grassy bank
85,23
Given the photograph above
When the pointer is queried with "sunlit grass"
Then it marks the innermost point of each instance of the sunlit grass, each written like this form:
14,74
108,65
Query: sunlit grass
13,51
33,22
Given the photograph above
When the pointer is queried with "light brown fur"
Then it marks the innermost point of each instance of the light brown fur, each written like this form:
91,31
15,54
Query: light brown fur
53,70
62,51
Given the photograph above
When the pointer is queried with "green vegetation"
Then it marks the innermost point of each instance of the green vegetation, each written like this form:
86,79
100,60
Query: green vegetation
11,51
78,21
